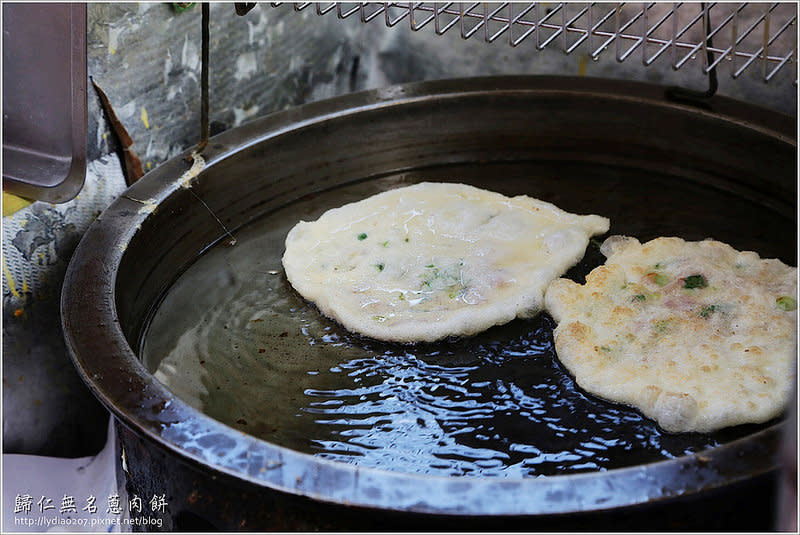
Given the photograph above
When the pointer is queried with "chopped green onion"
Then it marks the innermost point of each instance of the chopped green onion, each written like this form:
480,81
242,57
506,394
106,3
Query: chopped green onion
429,266
786,303
406,240
662,326
362,236
695,281
639,297
658,265
180,7
708,310
379,267
660,279
605,349
386,243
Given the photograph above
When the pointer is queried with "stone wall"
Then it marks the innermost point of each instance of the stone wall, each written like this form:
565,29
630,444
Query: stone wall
146,57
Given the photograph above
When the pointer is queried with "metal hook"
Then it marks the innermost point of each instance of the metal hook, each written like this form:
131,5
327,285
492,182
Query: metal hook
243,8
692,96
204,125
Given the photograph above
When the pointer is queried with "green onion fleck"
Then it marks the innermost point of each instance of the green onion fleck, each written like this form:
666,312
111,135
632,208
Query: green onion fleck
660,279
362,236
379,267
706,311
786,303
385,244
180,7
695,281
429,266
605,349
639,297
662,326
379,319
658,265
406,240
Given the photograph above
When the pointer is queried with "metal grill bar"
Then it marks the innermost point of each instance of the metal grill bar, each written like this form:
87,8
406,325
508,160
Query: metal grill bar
615,35
704,42
466,34
686,39
388,20
763,52
417,25
488,36
638,39
587,36
544,24
437,12
367,18
582,12
322,10
341,14
514,20
733,19
656,26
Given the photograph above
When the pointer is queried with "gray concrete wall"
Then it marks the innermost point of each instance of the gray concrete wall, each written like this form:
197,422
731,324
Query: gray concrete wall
146,57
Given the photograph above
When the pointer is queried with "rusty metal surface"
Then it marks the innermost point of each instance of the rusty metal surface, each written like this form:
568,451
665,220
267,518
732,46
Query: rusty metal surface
131,254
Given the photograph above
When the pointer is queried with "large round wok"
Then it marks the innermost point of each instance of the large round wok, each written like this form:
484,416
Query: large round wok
216,476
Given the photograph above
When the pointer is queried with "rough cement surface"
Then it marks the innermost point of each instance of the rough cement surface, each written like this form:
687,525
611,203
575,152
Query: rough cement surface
147,58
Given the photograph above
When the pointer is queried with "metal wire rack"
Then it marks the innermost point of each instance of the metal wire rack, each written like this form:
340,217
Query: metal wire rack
741,35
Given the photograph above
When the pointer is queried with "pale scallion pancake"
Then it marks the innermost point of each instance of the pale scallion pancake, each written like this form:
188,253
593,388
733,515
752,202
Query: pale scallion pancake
432,260
697,335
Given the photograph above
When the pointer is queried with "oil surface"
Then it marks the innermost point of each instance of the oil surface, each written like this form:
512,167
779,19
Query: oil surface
234,340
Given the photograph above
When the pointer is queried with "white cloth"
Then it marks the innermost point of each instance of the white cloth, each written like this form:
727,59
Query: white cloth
63,482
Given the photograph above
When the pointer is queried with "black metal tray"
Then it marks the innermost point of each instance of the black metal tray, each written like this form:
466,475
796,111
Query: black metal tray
44,100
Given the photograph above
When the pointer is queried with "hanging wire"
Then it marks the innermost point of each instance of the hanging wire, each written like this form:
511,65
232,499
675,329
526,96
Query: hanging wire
690,95
204,124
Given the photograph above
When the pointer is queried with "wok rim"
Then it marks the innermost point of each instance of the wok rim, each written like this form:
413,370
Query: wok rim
90,320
